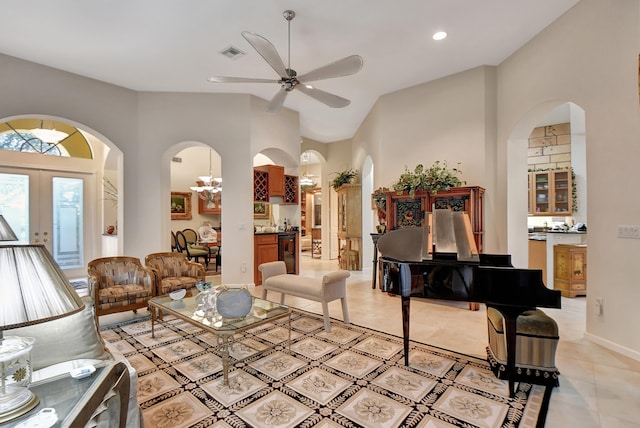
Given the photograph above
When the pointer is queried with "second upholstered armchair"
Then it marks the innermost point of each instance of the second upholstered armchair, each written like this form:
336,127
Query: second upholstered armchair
174,271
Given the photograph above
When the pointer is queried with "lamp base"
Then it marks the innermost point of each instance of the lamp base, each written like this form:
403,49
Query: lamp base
29,403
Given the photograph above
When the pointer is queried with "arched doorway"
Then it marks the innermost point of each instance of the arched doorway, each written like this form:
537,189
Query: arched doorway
51,188
190,166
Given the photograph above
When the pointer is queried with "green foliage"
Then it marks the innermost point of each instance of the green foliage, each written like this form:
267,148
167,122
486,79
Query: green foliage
344,177
433,179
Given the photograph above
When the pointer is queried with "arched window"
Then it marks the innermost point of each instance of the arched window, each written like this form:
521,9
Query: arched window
47,137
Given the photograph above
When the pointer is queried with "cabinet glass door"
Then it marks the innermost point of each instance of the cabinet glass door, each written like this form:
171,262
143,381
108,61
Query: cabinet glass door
562,192
541,193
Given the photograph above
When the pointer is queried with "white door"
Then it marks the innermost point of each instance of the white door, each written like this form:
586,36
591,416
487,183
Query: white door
50,208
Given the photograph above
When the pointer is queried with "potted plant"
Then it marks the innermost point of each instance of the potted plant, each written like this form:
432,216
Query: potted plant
433,179
344,177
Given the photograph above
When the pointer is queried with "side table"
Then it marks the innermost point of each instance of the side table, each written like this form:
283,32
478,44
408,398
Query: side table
76,400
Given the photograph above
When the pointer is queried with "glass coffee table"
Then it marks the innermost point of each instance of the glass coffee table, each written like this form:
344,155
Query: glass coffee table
262,312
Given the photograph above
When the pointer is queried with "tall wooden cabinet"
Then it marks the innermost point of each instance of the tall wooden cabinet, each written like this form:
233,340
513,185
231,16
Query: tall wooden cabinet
403,210
350,226
550,192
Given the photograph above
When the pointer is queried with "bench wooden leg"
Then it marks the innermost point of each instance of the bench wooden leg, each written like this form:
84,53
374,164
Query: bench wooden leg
264,293
345,310
325,315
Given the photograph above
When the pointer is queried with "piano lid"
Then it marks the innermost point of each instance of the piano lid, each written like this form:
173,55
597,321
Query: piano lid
447,234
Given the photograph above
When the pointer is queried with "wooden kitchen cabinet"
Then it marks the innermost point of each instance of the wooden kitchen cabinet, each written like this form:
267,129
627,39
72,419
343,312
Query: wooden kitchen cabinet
538,257
212,205
265,249
274,178
550,192
570,269
271,181
290,189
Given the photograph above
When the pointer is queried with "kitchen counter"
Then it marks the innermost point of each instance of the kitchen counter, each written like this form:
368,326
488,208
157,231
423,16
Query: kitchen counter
542,236
291,232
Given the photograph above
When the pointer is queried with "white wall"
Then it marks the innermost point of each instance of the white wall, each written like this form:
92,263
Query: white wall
450,119
589,56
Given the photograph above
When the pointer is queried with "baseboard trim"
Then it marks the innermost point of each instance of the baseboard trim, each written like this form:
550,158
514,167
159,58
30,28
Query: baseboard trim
613,346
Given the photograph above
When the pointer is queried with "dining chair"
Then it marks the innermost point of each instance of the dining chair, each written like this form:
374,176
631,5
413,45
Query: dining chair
192,252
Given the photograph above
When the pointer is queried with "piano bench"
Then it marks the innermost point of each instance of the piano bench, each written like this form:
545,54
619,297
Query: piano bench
324,290
536,343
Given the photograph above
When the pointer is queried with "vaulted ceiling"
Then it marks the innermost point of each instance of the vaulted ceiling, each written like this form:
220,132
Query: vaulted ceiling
171,45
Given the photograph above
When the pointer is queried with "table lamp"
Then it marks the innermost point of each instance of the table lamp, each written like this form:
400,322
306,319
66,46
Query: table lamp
33,289
6,233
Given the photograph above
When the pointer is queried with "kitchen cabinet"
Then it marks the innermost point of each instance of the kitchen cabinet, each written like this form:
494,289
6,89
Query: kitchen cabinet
274,180
538,257
570,269
271,181
265,249
260,185
550,193
270,247
350,226
290,189
210,205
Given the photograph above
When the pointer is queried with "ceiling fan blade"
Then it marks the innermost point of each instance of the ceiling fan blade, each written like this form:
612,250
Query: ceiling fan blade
267,51
224,79
342,67
324,97
277,101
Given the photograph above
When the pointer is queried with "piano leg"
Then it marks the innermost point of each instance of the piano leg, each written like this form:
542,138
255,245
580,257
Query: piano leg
406,303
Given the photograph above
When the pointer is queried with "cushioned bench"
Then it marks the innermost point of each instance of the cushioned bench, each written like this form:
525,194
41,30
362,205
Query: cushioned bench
536,343
330,287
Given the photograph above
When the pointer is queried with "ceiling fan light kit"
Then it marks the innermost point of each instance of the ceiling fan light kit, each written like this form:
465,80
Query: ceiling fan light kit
289,79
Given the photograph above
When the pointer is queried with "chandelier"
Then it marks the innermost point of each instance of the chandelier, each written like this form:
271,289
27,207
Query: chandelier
207,185
306,179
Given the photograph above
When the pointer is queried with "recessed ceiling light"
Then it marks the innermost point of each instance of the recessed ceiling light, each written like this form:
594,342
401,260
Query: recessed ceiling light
439,35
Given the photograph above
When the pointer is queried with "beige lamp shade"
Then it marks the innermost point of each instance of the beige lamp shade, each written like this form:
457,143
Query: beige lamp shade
6,233
33,287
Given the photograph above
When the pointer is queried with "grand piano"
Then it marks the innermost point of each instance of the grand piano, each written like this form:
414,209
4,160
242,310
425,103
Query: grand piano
440,261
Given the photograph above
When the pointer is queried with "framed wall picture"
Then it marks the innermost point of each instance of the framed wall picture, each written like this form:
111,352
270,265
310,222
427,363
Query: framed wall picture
261,210
180,205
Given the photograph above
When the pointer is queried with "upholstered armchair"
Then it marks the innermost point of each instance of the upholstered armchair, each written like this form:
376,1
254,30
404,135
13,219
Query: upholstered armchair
119,284
173,271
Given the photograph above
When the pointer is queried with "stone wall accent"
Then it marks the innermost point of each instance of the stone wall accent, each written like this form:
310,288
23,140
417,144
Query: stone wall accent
550,147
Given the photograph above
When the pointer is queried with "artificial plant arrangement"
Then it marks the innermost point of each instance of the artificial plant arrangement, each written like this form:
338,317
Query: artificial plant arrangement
433,179
344,177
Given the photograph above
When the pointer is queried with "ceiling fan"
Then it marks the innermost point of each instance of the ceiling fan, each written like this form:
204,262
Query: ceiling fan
289,79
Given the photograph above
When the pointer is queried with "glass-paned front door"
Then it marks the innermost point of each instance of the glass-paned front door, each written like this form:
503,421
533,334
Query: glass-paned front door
14,203
47,207
67,222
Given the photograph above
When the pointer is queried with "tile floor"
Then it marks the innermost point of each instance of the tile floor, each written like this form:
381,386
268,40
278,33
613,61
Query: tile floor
598,387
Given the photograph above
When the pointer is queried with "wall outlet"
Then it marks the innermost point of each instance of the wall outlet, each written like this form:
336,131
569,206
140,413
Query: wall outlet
631,231
599,305
243,267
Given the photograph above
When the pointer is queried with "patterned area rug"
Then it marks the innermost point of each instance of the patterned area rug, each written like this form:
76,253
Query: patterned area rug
350,377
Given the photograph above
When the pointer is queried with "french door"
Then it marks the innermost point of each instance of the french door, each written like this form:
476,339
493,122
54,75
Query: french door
51,208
